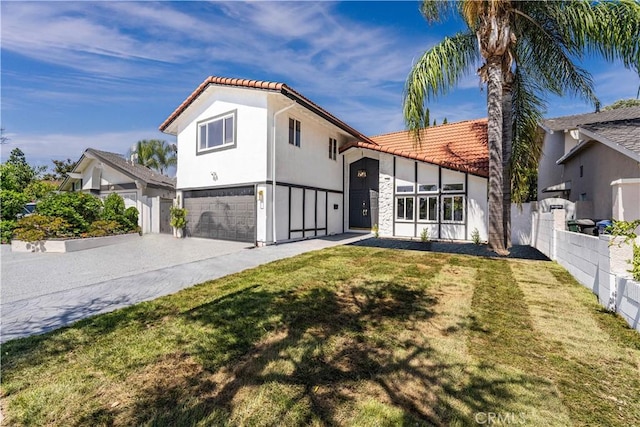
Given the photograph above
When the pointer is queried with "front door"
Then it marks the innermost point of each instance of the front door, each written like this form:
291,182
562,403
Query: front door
363,193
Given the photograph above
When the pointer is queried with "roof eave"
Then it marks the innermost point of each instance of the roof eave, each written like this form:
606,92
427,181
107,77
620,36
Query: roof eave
415,156
611,144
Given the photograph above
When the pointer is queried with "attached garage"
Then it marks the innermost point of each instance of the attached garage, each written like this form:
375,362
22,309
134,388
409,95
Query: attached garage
222,213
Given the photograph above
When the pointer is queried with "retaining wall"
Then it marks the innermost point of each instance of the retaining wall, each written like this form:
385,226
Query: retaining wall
599,263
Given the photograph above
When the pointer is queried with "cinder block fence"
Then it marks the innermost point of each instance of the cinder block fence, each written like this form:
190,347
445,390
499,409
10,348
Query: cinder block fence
593,261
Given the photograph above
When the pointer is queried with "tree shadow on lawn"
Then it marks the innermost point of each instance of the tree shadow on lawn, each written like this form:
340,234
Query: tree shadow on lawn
316,355
515,252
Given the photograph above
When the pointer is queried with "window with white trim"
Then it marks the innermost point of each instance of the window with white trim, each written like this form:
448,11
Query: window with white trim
428,208
403,186
453,187
217,132
404,208
452,208
333,149
427,188
294,132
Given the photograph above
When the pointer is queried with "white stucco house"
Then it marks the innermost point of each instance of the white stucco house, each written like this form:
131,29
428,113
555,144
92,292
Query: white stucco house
593,160
102,173
259,162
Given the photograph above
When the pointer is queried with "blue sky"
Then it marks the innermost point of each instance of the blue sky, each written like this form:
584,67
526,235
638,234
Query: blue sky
106,74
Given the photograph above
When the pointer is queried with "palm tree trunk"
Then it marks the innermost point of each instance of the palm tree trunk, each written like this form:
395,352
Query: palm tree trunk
507,143
494,133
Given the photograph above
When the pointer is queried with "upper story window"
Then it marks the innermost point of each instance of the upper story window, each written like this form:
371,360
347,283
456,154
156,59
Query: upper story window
333,149
427,188
452,187
217,132
403,186
294,132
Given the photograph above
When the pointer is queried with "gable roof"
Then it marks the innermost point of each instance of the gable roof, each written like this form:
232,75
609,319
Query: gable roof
276,87
133,170
625,133
622,136
461,146
572,122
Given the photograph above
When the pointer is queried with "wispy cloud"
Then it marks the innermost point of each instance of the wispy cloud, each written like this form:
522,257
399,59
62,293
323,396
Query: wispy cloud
125,54
40,149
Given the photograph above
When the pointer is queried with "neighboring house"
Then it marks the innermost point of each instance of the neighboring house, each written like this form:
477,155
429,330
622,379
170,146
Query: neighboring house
321,176
102,173
585,155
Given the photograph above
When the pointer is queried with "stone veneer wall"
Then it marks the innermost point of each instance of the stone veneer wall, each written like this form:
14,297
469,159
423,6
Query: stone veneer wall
385,195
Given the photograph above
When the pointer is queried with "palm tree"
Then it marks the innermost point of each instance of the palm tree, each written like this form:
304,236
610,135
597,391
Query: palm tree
525,49
155,154
166,156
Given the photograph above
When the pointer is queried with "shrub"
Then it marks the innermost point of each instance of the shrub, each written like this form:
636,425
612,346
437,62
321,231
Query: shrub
424,235
376,230
76,208
104,228
178,217
6,230
11,204
113,208
114,211
40,227
131,218
475,236
37,190
627,229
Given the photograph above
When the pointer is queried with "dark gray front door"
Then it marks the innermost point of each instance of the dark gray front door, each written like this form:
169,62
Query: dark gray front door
165,216
224,213
363,193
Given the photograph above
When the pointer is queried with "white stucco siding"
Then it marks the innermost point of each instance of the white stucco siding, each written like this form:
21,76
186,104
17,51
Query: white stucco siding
548,172
405,172
335,216
452,177
110,176
263,214
245,162
477,207
282,214
427,174
308,164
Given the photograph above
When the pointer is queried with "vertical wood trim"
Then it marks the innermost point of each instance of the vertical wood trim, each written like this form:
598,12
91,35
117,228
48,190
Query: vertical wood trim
466,206
304,211
326,213
416,205
440,207
315,215
393,200
289,203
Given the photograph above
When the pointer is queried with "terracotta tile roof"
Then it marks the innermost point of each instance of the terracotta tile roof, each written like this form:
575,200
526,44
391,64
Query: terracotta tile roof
461,146
261,85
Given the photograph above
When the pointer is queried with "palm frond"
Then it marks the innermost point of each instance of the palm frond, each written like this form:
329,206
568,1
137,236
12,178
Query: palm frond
543,51
436,10
527,140
436,72
608,28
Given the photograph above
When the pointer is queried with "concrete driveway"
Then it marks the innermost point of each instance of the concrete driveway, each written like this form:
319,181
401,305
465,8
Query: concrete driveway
42,292
29,275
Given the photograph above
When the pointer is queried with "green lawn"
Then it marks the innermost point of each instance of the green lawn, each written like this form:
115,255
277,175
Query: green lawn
346,336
